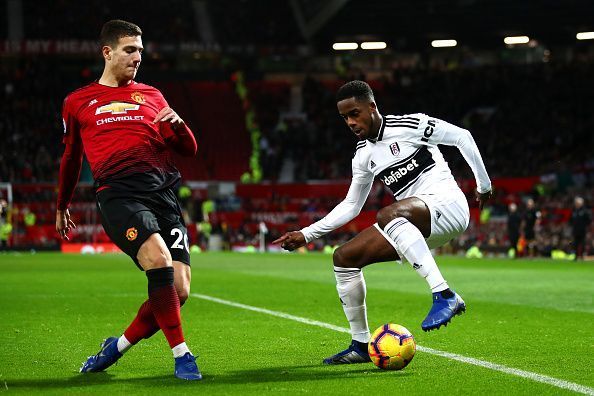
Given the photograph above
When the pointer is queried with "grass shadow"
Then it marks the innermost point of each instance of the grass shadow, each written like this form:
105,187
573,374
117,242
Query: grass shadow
279,374
79,381
303,373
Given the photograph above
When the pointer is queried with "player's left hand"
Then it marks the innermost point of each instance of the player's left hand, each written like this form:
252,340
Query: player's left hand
168,114
483,197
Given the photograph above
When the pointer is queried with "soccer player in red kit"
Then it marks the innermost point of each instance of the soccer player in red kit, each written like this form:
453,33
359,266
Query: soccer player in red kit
126,129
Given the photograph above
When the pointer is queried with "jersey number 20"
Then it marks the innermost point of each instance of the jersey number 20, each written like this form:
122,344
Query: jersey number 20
180,236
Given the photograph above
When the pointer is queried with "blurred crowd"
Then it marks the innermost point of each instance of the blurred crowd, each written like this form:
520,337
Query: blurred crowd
530,119
527,120
542,223
238,22
557,226
31,126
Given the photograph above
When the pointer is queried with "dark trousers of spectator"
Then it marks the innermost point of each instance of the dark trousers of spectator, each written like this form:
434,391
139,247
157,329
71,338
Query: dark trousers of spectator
3,245
579,242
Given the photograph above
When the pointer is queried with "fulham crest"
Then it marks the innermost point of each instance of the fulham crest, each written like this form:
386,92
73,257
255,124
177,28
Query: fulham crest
395,149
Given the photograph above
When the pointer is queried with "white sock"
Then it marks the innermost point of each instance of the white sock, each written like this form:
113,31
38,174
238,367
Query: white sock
351,288
411,244
180,350
123,344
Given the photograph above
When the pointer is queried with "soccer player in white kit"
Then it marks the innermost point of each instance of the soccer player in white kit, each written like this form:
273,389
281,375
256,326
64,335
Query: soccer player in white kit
429,211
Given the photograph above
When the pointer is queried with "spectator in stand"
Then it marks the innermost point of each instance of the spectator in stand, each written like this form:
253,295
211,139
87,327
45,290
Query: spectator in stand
531,218
5,226
514,221
581,217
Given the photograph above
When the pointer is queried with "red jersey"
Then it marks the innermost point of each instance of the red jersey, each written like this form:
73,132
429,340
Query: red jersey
113,125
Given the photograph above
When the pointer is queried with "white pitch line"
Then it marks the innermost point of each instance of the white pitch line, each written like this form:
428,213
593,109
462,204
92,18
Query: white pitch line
460,358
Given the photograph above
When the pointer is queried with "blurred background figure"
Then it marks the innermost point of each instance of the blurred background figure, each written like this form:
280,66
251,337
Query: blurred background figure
581,217
5,226
531,220
514,221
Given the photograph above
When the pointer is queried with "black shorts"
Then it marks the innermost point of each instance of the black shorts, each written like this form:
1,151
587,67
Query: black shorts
130,218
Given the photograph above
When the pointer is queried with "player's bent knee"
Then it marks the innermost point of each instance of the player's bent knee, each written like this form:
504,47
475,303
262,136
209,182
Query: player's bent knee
342,259
337,257
157,260
154,254
387,214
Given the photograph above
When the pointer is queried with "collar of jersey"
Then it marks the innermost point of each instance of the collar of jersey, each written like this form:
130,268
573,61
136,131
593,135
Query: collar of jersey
381,132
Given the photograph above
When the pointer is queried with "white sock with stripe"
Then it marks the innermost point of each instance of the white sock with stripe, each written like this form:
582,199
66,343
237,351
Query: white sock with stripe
351,288
411,244
180,350
123,344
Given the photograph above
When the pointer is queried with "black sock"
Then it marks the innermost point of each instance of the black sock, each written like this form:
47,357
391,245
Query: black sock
159,277
447,293
362,345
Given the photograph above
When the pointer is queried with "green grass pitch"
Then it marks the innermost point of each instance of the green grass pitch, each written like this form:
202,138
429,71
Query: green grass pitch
536,316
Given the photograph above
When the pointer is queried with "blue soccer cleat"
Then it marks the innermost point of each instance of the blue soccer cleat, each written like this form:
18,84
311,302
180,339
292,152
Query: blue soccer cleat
186,368
107,355
355,353
442,311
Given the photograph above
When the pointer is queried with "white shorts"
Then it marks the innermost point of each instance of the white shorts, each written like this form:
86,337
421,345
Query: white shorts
450,216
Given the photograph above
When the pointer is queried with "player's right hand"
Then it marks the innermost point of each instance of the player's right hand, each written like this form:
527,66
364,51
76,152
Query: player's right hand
291,240
168,114
482,198
63,223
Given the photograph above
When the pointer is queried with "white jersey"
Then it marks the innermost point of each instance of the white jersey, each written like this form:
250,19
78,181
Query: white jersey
406,159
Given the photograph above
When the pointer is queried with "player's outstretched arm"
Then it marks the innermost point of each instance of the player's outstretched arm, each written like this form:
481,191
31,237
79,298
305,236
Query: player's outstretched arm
291,240
344,212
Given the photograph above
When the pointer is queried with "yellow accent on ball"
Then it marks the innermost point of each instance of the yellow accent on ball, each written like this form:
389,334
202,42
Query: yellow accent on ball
392,347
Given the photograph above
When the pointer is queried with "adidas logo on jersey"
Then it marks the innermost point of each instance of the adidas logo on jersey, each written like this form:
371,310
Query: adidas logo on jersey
394,176
372,164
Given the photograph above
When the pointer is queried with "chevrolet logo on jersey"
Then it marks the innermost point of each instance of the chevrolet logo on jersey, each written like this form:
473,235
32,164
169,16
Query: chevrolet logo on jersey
117,108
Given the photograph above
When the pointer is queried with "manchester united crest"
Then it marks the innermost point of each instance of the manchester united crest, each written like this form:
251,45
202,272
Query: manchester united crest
131,234
395,149
138,97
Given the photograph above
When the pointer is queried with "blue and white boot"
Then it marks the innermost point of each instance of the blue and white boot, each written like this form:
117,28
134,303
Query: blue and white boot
355,353
107,355
186,368
443,310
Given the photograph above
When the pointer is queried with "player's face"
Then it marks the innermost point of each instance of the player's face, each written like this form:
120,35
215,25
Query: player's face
359,116
124,60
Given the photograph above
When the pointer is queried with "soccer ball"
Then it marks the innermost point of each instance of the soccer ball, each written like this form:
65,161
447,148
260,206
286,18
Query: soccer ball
392,347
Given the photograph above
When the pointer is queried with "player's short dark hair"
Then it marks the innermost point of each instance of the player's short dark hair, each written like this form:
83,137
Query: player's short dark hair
115,29
357,89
